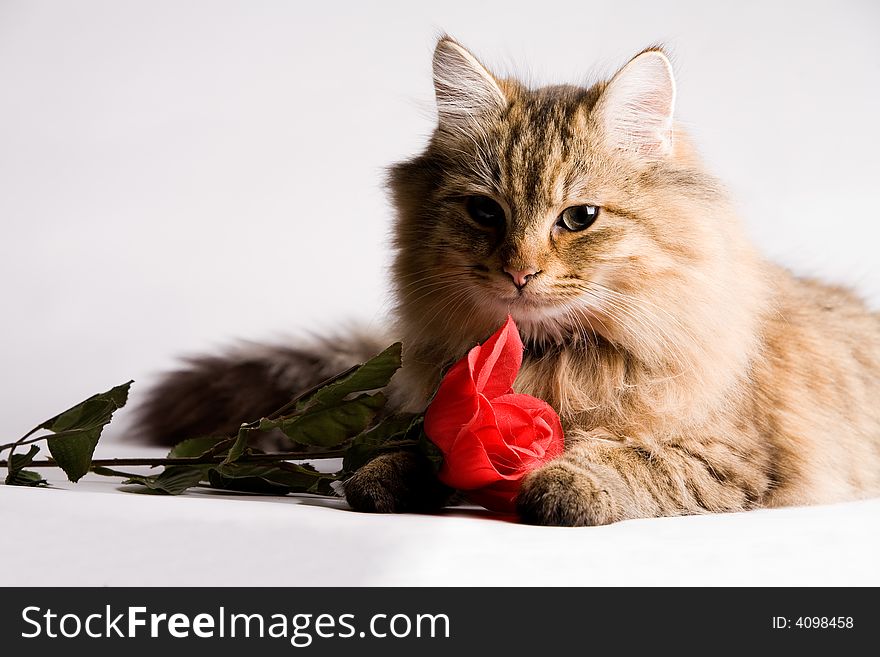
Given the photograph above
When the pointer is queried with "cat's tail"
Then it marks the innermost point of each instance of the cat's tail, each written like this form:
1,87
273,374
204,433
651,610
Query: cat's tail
214,394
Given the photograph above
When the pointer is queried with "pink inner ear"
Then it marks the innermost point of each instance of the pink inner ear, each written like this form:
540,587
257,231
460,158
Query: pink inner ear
636,107
465,90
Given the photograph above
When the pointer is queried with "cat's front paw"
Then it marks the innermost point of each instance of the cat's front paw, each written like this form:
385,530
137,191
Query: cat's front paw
396,483
564,494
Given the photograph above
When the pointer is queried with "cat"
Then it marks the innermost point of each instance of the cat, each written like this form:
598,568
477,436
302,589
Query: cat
691,375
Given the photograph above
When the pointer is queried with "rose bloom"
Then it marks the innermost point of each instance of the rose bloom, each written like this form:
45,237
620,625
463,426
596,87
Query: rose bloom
490,436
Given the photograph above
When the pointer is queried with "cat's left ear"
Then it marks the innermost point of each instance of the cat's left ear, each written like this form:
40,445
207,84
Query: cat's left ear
466,91
635,108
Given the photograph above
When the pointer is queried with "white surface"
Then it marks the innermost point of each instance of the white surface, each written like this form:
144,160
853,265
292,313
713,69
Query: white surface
173,175
93,534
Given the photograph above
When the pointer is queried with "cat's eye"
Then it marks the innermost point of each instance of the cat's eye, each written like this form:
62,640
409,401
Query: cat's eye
578,217
485,211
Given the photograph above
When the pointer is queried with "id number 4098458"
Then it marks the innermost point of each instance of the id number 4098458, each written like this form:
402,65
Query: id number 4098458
813,622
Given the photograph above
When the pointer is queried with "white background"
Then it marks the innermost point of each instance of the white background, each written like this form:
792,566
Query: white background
174,175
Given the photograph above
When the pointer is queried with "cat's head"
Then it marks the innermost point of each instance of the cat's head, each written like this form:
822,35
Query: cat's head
582,212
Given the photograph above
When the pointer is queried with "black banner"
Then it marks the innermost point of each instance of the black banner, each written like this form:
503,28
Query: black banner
435,621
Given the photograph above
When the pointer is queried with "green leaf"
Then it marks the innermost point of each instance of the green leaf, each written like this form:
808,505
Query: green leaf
430,450
19,461
278,479
374,374
239,447
26,478
195,447
330,415
78,429
95,411
17,476
393,429
73,453
173,480
221,478
329,426
109,472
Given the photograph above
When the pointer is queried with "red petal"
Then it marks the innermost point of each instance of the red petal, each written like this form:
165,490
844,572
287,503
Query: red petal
515,421
495,364
454,406
468,465
497,497
478,448
489,436
543,429
497,361
501,438
466,461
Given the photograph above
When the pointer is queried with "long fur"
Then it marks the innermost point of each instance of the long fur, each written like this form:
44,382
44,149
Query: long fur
691,375
213,394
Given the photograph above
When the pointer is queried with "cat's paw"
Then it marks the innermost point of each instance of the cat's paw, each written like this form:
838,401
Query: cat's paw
396,483
564,494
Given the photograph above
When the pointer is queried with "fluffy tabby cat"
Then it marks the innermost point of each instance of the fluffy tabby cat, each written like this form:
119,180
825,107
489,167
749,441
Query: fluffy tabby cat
691,375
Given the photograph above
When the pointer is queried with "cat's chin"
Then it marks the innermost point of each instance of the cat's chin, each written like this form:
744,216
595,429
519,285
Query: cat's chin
529,307
541,319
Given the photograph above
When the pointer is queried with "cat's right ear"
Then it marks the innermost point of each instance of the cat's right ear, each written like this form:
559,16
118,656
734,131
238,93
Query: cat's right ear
636,108
467,93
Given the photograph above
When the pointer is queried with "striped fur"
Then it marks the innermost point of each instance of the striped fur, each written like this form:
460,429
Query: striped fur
691,375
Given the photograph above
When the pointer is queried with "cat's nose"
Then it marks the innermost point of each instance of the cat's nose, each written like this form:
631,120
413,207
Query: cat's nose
521,276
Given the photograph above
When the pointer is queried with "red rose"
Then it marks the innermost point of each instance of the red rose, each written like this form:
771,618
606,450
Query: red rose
490,436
